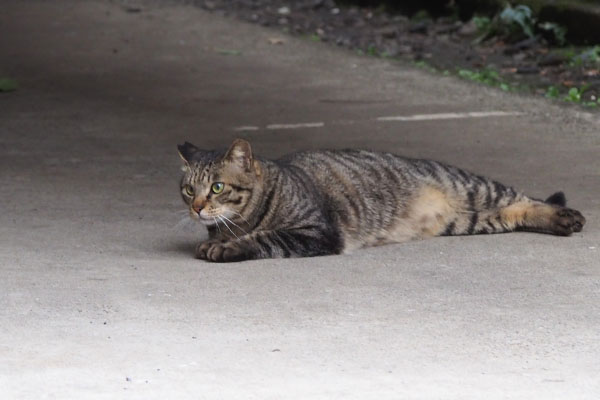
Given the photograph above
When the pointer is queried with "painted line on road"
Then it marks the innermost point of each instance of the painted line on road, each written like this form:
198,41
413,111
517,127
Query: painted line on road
394,118
297,126
246,128
433,117
281,126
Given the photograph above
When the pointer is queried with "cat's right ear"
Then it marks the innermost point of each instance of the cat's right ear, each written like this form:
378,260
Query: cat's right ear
187,152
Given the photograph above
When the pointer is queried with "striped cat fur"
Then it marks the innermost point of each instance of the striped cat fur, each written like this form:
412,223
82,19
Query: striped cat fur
335,201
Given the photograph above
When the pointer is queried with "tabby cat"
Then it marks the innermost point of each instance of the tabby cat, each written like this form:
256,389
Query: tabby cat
330,202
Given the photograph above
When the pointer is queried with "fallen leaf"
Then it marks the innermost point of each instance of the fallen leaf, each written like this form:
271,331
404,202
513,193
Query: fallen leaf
276,40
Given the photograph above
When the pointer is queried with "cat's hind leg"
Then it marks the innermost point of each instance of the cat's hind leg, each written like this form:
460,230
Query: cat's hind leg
543,218
528,215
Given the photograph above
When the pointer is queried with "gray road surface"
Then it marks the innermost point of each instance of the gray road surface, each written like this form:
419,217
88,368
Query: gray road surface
101,298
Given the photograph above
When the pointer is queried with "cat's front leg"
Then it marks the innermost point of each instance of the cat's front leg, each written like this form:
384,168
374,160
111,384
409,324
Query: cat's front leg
304,242
203,247
222,250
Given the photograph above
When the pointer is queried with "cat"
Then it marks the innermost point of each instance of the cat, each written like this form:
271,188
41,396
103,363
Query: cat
316,203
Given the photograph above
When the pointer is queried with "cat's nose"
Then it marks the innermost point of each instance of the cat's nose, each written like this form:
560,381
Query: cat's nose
198,205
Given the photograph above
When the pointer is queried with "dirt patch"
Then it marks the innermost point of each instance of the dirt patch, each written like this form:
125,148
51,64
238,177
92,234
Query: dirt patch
445,45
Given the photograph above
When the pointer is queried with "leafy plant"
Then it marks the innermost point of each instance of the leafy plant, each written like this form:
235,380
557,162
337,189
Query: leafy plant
420,16
483,24
8,85
569,54
512,23
424,65
504,86
518,20
573,95
558,32
517,23
315,38
487,76
589,56
372,50
552,92
576,95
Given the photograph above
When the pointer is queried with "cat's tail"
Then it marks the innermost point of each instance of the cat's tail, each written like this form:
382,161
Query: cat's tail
557,199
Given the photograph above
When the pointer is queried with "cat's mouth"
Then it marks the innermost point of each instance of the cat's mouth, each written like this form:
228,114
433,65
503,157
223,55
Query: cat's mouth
211,220
203,219
208,221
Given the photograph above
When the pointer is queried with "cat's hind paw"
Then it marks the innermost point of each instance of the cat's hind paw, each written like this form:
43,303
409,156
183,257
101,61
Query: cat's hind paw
566,221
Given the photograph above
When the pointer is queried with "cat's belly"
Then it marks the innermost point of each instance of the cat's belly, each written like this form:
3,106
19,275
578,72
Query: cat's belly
427,215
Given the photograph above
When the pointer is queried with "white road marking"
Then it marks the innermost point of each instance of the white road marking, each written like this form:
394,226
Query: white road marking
246,128
399,118
432,117
297,126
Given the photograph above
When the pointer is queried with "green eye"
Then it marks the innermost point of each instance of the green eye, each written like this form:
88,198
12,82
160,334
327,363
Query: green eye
189,190
217,187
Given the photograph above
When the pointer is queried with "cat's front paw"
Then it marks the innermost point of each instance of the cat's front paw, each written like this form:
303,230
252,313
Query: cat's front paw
202,248
218,251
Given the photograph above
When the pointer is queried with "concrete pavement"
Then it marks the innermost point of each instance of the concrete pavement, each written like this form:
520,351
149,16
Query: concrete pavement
101,297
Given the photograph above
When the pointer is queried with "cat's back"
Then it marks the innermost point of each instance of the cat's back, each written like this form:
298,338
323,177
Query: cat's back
350,167
363,191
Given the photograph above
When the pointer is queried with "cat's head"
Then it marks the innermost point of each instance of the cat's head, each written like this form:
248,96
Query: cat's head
217,184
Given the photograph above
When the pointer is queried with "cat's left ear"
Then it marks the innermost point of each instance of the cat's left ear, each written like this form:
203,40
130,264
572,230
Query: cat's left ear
240,153
187,152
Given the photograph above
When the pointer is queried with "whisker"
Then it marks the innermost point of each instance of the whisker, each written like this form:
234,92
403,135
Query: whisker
217,224
227,226
241,216
186,224
181,224
239,227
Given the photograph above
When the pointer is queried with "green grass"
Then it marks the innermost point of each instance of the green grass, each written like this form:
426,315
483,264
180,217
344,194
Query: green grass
426,66
372,51
487,76
589,56
490,77
552,92
573,95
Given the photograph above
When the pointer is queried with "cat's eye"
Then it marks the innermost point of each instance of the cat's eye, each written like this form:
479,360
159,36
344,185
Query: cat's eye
189,190
217,187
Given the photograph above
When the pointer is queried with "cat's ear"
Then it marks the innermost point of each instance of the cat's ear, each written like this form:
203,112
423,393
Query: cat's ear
187,152
240,154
